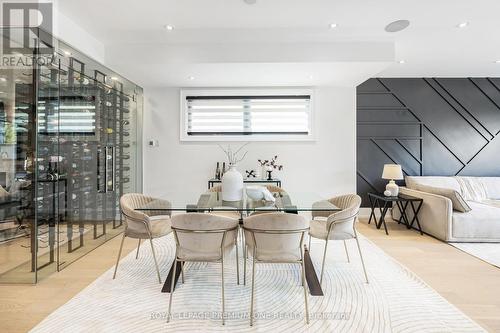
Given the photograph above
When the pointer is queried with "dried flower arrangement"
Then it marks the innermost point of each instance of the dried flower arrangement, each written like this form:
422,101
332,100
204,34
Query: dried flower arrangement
273,163
233,157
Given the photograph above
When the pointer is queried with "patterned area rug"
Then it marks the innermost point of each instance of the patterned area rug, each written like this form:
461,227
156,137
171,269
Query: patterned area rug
395,300
489,252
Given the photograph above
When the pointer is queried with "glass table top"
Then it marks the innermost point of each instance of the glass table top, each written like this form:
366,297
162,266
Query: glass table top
212,201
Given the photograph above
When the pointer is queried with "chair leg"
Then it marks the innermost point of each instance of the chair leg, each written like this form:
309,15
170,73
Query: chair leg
346,252
222,276
119,255
237,264
138,247
309,248
253,289
182,263
323,264
154,257
361,256
305,290
245,250
172,286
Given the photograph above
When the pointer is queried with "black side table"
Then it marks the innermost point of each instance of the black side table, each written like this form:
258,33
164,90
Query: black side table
402,202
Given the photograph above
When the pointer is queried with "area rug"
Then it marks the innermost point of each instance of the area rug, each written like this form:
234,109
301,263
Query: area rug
489,252
395,300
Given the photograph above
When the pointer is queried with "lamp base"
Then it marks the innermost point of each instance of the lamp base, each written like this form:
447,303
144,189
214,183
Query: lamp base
392,188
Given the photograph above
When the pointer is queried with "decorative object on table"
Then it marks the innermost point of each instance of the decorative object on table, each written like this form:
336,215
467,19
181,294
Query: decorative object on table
255,192
392,172
269,166
232,180
250,174
223,170
217,171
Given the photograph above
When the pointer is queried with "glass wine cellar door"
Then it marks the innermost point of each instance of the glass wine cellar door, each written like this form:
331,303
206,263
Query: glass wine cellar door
68,149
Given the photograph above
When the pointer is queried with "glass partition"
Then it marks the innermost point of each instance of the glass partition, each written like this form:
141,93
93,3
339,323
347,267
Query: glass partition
68,132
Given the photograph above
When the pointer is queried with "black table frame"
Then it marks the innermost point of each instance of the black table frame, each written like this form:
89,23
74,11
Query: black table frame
402,202
277,182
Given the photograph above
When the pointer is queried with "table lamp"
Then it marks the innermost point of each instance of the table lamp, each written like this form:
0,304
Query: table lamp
392,172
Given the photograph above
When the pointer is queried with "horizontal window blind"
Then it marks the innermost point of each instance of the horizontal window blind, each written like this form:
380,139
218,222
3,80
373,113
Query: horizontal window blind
248,115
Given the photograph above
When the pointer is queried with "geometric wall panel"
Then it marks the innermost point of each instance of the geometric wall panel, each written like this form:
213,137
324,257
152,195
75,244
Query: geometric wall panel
431,126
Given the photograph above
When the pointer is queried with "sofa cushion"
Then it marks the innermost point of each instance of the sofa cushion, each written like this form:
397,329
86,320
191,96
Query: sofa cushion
493,203
482,222
456,198
436,181
492,187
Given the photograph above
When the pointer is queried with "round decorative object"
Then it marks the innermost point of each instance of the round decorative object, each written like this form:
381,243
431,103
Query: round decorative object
387,193
255,192
232,185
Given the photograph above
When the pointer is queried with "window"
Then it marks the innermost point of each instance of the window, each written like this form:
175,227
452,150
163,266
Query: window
220,115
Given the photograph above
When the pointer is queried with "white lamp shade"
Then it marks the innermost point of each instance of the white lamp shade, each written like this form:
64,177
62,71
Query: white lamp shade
392,171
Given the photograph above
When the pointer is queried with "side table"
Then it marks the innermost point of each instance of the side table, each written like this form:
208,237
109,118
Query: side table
402,202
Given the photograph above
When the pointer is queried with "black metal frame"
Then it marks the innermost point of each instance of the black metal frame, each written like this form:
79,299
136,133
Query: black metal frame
277,182
402,203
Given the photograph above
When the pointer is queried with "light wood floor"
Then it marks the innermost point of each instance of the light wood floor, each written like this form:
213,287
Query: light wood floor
469,283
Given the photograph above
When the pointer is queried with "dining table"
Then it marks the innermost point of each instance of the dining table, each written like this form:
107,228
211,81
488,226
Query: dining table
212,202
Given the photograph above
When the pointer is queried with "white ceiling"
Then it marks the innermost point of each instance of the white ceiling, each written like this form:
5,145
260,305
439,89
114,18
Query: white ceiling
431,46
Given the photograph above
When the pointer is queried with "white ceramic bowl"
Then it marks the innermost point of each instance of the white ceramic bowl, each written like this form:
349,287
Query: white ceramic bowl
254,192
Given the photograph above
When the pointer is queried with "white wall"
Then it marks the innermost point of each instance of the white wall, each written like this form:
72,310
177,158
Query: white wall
179,170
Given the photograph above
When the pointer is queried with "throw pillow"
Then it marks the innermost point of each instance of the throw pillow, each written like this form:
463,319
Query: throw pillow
456,198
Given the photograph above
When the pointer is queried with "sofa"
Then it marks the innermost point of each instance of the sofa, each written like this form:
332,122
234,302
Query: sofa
437,217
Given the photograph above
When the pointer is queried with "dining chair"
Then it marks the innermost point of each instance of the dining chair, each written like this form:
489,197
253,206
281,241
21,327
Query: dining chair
141,225
339,225
201,237
275,238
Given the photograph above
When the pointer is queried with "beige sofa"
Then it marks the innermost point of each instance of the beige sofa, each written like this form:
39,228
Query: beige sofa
437,218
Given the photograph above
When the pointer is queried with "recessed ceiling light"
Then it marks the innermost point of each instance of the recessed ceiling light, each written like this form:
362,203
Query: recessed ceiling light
250,2
497,61
67,53
2,79
311,77
402,61
462,24
169,27
114,78
397,26
190,78
333,25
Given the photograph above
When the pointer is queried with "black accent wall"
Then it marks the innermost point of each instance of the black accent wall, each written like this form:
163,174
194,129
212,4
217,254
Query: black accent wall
431,126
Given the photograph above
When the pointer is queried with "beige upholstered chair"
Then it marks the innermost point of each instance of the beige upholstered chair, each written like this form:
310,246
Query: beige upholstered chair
337,226
275,238
143,225
201,237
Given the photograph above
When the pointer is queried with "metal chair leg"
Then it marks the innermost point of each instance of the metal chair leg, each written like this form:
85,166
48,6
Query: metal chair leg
172,286
245,250
138,247
346,252
323,264
182,263
119,255
361,256
253,289
237,264
305,290
154,257
222,276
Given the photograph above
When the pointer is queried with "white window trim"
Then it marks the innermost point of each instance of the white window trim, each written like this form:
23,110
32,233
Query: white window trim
244,91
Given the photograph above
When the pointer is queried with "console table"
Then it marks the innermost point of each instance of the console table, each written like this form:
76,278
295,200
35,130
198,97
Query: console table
277,182
402,202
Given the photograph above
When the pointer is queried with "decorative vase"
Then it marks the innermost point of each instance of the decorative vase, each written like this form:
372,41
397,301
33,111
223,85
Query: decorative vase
232,185
263,172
